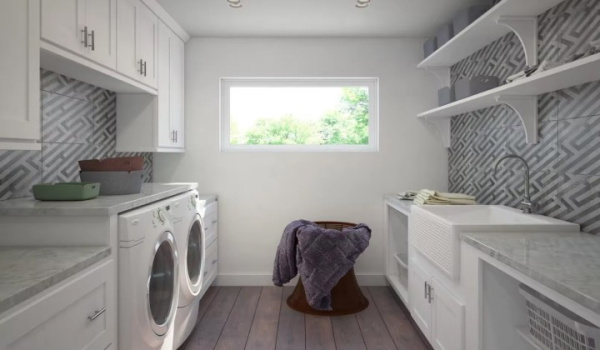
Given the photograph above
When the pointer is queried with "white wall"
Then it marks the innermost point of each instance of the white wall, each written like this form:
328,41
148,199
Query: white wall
259,193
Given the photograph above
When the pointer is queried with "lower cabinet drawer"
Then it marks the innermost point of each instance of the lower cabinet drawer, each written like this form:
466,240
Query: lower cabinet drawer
211,221
212,264
77,315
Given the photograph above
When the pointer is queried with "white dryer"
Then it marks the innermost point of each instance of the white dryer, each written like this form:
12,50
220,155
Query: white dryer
190,239
148,278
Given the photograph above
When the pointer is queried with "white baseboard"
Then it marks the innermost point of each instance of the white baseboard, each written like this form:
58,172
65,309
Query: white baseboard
227,280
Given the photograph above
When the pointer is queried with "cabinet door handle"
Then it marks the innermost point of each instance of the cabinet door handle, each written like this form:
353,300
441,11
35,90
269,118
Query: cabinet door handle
425,287
176,136
141,71
96,314
84,31
93,44
145,68
430,294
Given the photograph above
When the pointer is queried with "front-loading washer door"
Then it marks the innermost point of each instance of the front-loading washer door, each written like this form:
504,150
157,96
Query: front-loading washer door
195,251
162,284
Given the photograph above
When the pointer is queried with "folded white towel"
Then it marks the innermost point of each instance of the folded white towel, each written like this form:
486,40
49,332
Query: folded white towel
431,197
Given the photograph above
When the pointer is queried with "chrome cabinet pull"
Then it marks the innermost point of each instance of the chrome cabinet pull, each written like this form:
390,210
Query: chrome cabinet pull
93,44
96,314
145,71
84,31
425,288
176,136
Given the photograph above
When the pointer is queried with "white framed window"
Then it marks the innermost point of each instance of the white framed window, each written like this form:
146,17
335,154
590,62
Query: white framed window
300,114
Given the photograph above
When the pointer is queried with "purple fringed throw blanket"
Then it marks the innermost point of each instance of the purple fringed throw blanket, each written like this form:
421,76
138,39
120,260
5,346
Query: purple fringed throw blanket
321,257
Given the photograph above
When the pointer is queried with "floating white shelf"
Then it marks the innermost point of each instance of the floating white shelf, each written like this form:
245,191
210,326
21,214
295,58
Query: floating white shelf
520,95
504,17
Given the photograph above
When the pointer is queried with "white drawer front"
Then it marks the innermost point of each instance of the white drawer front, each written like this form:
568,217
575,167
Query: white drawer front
61,319
212,265
211,222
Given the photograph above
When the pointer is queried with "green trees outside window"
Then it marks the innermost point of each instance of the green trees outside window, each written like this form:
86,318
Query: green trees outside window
347,124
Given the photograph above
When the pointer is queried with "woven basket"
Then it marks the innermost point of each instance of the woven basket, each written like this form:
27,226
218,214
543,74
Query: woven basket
346,296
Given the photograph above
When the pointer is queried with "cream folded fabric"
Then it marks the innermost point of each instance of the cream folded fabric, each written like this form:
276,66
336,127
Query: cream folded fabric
431,197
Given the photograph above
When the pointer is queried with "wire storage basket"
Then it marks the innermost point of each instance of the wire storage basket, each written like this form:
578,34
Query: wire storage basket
553,327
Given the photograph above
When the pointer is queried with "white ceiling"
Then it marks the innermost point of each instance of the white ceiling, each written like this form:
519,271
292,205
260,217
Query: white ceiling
313,18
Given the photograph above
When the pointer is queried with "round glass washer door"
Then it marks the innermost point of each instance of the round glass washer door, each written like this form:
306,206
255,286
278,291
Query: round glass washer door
195,250
162,284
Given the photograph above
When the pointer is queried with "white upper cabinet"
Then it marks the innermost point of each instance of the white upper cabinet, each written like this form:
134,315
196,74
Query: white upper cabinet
172,64
63,23
20,70
146,39
137,36
156,123
100,18
83,27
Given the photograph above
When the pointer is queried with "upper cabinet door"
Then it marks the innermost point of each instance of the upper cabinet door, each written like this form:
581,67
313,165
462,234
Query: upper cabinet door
147,37
84,27
176,90
63,23
165,134
20,71
127,57
170,89
100,18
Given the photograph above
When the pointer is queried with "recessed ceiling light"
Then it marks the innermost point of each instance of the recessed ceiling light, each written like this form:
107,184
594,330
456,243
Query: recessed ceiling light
236,4
361,4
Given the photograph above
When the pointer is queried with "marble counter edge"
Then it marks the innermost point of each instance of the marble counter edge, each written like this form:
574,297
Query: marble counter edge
29,292
97,211
551,283
401,205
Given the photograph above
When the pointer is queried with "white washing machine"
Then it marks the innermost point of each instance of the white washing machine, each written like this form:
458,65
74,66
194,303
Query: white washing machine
190,239
148,278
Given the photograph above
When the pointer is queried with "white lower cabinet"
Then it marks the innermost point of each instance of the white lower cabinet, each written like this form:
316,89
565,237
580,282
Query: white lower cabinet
439,314
78,314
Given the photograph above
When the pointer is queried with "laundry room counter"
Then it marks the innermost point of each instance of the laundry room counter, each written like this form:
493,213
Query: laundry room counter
27,271
101,206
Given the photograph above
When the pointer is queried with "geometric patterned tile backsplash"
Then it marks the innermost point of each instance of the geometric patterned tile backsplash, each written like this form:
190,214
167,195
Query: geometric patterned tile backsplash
78,122
565,164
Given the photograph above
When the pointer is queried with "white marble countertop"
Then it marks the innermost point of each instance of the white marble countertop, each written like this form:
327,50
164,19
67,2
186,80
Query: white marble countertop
103,205
568,263
401,205
27,271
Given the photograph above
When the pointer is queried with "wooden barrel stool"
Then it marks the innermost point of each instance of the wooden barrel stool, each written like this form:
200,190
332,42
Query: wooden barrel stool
346,296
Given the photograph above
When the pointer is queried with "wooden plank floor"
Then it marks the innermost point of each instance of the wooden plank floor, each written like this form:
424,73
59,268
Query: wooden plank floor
257,318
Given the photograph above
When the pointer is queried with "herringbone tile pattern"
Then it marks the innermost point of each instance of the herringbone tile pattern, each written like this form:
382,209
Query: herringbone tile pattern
79,121
565,165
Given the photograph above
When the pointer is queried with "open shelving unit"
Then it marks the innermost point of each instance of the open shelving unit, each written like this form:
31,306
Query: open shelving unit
493,25
520,95
396,214
520,17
